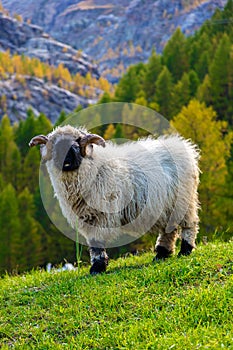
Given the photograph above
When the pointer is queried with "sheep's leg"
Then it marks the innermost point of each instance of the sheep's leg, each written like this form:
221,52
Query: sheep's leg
188,237
99,260
189,227
165,245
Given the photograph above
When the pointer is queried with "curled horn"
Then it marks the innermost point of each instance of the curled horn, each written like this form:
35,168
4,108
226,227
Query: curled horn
88,139
38,140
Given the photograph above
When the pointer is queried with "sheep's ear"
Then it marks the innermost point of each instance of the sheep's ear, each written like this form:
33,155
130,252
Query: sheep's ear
89,139
38,140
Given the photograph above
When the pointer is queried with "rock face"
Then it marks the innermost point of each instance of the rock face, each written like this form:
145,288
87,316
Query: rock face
32,41
116,31
18,95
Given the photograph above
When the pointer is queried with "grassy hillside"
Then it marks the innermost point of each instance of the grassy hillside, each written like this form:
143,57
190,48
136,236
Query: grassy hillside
183,303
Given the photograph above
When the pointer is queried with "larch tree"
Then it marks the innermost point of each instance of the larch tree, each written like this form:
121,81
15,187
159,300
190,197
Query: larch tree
198,122
109,132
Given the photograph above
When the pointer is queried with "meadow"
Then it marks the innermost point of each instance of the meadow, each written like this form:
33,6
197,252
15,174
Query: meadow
179,303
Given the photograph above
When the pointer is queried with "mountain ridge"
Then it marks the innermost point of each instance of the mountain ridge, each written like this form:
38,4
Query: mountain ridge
30,40
20,94
117,33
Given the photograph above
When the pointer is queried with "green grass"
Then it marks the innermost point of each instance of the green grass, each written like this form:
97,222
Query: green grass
184,303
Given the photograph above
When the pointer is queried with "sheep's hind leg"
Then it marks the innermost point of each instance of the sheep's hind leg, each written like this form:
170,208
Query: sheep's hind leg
165,245
99,260
188,236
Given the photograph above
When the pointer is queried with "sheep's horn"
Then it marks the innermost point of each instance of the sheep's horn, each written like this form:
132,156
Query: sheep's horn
38,140
90,138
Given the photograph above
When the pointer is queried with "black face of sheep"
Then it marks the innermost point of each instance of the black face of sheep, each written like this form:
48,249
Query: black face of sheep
67,161
67,152
73,159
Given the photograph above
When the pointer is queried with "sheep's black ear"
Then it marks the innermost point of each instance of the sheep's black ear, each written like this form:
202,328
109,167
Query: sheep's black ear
73,159
89,139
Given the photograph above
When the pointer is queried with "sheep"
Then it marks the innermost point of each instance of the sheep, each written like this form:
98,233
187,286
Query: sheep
149,185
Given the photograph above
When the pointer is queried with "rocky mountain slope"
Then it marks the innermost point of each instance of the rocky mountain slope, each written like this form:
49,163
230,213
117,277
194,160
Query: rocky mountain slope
17,95
18,92
116,32
30,40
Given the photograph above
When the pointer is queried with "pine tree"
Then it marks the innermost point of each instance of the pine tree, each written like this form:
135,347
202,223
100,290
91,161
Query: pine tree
194,82
180,94
31,247
61,118
25,132
202,65
203,92
106,98
119,132
163,92
43,125
10,253
31,166
128,87
220,76
153,69
10,160
175,55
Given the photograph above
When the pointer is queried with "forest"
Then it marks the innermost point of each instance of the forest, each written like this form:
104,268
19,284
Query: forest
190,84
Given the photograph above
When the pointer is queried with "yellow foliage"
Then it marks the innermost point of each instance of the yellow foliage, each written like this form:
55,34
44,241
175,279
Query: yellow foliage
23,65
109,132
200,124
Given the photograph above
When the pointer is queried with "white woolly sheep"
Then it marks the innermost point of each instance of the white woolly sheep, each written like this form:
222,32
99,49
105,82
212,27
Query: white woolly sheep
146,185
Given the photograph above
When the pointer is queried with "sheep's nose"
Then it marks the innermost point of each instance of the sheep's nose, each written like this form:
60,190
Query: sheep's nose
67,155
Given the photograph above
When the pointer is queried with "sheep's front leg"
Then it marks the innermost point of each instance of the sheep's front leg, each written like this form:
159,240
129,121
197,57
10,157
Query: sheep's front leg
99,260
165,245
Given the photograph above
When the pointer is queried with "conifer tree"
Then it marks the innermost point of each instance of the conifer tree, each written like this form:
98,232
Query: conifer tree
119,132
175,55
109,132
31,166
152,70
220,70
10,253
128,87
180,94
43,125
163,92
9,153
25,132
193,83
198,122
31,247
203,92
106,98
61,118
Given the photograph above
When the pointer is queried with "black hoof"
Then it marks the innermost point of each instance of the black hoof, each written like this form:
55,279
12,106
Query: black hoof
186,248
99,266
162,253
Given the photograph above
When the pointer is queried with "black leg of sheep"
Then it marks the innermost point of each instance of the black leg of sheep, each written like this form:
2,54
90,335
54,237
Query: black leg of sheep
99,260
185,248
165,245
